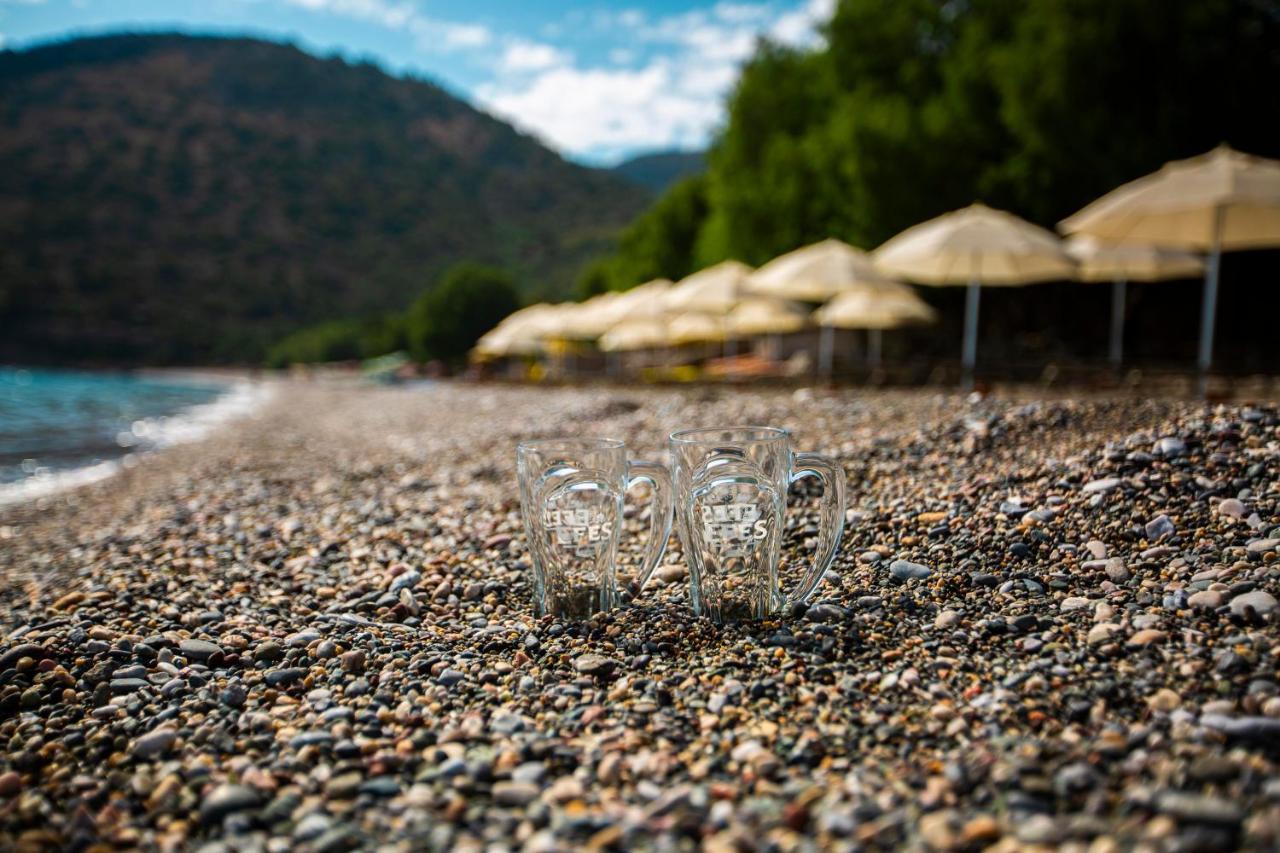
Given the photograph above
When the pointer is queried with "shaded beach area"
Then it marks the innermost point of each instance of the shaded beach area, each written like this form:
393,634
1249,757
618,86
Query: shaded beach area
1050,622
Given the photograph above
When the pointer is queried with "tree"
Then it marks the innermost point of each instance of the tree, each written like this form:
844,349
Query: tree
660,243
446,321
594,280
340,340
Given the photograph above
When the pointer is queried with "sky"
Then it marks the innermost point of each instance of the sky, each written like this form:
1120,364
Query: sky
598,81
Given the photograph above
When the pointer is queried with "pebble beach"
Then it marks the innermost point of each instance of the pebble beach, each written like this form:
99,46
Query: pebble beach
1052,623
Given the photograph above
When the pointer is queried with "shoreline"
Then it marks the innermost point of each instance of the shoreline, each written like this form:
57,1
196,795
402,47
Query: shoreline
240,396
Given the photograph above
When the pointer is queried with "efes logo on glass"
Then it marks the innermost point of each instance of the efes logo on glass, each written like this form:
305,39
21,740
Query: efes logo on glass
578,527
732,524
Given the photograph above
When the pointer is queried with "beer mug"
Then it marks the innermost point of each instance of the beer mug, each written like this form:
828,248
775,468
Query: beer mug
731,498
571,497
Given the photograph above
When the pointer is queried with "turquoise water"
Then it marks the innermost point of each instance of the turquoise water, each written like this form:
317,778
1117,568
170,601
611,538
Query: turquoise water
54,421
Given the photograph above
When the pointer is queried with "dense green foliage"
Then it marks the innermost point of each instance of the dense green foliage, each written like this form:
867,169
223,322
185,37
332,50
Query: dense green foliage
659,244
168,199
917,107
340,340
446,321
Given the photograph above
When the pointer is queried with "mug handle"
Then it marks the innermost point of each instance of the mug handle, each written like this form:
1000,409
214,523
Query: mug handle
659,479
830,522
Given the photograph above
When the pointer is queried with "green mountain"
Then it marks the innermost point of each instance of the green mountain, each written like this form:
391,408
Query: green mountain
660,169
177,199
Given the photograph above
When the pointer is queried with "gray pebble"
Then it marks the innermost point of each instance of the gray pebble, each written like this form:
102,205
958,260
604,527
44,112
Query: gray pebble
154,743
515,793
284,677
902,570
199,649
1259,601
227,799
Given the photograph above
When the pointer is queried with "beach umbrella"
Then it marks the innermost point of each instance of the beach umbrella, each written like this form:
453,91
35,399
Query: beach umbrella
875,309
715,289
763,316
1217,202
643,300
760,315
695,327
815,273
519,333
1122,263
635,334
975,246
591,319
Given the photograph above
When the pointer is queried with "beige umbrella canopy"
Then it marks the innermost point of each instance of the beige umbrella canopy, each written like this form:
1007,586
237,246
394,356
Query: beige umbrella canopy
696,327
521,332
591,319
975,246
1122,263
635,334
1224,199
643,300
875,309
499,344
715,289
1099,261
868,309
1216,202
815,273
763,316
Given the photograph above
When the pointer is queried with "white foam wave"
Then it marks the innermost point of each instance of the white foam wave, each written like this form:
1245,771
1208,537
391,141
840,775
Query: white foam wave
190,424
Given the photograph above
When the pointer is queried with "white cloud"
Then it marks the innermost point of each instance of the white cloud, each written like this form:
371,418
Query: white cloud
453,35
388,14
429,33
521,55
674,99
798,27
605,112
741,13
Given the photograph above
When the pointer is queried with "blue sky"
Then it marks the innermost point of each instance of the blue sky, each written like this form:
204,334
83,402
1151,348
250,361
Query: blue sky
598,81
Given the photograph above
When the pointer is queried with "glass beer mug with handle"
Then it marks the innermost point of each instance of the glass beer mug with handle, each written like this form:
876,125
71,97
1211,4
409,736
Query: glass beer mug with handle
571,497
731,499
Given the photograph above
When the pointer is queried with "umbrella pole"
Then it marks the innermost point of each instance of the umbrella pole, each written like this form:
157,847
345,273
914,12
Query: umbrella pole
873,348
1117,322
826,350
970,353
1210,302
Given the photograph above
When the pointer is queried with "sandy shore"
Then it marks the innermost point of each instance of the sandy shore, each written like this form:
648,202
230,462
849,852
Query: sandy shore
1050,623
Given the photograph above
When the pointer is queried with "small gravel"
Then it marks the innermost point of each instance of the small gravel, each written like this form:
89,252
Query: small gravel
1051,622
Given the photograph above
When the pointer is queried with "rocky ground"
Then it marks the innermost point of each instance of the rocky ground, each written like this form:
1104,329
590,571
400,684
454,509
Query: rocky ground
1051,623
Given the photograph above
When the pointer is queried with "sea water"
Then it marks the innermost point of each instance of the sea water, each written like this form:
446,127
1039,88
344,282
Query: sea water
60,428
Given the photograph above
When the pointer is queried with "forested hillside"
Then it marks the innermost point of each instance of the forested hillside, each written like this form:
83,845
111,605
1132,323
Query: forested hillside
165,198
661,169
